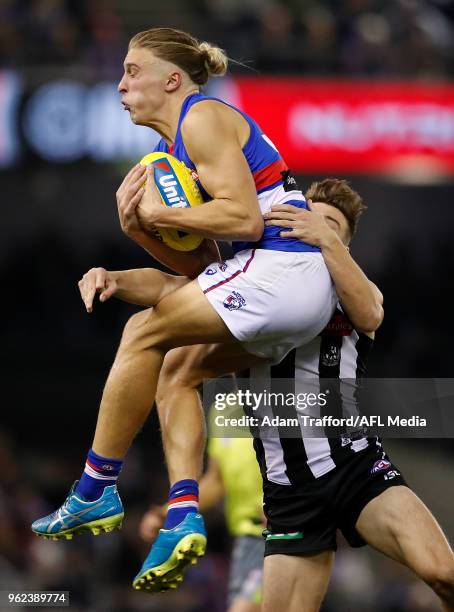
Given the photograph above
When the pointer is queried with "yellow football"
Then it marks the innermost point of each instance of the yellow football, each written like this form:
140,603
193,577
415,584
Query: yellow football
177,187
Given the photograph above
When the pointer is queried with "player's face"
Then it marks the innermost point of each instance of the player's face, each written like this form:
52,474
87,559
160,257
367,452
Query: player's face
142,86
335,219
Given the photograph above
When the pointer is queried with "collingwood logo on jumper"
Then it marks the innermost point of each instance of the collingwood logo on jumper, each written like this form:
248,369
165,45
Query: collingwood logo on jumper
331,356
352,436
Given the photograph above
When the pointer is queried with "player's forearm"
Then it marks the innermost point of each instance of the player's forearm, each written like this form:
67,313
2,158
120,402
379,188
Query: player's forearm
189,264
356,294
138,286
218,219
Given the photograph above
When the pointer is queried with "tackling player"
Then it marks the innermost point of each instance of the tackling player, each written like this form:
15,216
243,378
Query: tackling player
314,486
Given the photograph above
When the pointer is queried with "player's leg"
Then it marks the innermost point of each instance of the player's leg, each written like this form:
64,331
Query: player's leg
114,433
398,524
179,407
131,385
301,534
296,583
246,574
183,427
93,503
183,317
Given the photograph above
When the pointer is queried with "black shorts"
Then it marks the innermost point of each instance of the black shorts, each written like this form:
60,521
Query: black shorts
303,518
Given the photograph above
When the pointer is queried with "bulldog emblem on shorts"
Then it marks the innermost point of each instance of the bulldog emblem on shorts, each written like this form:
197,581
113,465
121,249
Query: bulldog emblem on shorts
234,301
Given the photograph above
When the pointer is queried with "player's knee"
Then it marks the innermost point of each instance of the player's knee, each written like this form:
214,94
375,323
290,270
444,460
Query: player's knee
143,331
177,374
135,326
441,579
167,386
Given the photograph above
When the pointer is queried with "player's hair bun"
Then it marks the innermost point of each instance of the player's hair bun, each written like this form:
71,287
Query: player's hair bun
216,61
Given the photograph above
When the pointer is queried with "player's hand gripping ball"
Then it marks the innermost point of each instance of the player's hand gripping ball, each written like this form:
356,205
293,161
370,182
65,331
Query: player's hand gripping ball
177,188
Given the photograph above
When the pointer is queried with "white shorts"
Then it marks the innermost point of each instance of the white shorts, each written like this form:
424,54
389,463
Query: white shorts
271,301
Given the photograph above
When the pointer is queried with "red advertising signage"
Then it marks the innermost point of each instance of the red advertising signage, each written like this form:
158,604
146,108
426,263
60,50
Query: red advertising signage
354,126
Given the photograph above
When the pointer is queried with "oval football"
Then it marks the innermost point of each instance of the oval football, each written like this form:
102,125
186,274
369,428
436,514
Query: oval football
177,188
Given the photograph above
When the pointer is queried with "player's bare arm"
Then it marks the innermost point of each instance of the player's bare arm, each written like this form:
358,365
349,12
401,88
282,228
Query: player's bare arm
213,143
361,300
128,196
189,263
142,286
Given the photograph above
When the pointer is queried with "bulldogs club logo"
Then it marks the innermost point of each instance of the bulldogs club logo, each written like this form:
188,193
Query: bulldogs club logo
380,465
222,266
234,301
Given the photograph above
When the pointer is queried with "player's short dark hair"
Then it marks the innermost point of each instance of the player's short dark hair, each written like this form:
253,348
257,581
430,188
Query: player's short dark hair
338,193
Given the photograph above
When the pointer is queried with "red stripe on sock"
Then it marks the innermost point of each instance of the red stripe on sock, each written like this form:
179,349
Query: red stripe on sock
183,498
96,468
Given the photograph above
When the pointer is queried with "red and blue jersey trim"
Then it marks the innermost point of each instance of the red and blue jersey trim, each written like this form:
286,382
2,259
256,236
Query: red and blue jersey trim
270,176
267,168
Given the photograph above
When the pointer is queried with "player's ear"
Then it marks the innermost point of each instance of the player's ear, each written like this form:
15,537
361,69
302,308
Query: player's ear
173,81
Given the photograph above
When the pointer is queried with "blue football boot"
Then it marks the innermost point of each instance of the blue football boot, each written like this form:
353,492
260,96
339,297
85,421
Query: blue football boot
77,515
171,553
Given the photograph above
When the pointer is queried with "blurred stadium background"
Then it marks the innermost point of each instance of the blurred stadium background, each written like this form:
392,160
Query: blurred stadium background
361,89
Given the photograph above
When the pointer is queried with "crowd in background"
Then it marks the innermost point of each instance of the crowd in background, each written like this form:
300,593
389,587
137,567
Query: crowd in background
390,38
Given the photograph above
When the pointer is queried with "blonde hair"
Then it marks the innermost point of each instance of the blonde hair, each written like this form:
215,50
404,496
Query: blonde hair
199,60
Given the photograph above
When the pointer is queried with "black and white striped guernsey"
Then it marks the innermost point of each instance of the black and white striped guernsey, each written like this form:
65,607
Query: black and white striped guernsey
334,360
